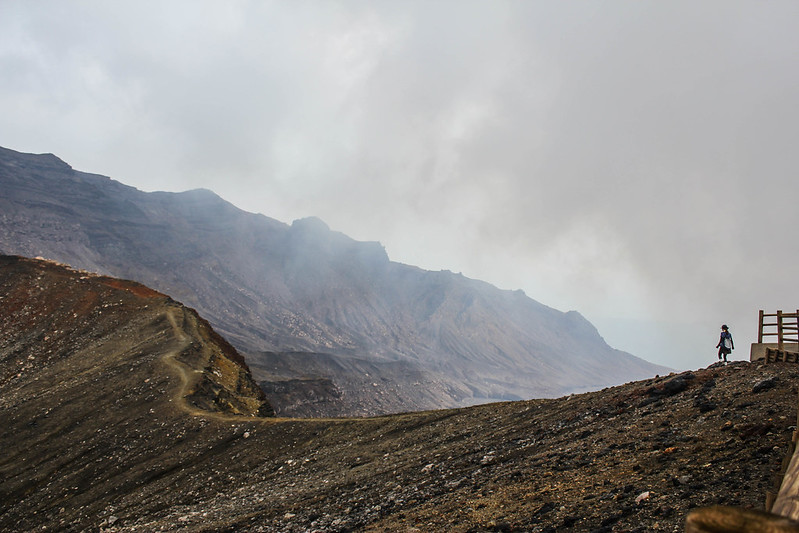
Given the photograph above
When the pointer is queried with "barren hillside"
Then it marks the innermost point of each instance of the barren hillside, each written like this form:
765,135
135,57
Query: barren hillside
97,435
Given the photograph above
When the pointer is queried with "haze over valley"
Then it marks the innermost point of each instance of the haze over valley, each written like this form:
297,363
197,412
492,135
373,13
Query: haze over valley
329,326
633,161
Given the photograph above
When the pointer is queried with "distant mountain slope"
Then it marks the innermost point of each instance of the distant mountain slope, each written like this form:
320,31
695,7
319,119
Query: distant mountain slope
271,288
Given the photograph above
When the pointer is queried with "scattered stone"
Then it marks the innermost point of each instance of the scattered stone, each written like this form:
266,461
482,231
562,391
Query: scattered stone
748,431
706,407
664,511
672,386
764,385
544,509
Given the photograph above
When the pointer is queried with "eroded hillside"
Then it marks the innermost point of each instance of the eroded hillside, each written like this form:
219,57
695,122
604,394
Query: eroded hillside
97,435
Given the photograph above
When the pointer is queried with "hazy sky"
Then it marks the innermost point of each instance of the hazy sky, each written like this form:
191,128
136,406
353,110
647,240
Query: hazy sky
635,161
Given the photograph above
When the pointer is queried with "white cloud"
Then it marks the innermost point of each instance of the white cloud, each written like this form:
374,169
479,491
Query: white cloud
634,161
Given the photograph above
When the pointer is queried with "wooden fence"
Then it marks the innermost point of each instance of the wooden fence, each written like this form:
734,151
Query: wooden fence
785,327
774,355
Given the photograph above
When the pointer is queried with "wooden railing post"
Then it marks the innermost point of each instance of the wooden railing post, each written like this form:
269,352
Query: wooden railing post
779,330
760,329
720,519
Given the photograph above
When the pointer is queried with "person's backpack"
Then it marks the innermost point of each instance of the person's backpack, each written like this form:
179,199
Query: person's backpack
728,342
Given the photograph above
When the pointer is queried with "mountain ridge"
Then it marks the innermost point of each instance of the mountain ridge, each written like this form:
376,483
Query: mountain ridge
269,287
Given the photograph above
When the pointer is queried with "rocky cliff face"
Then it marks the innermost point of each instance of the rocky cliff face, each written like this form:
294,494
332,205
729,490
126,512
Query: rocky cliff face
387,337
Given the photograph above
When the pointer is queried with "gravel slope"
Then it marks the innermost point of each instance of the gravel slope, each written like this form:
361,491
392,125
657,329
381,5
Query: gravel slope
98,435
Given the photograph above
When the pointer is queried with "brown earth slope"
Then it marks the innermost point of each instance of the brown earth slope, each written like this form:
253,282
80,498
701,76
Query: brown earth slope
95,436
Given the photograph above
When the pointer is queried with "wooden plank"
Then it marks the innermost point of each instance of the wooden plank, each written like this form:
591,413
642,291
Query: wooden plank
720,519
760,329
787,503
775,355
779,329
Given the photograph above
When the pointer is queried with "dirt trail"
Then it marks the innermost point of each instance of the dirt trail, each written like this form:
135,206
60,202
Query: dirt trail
185,329
188,377
186,332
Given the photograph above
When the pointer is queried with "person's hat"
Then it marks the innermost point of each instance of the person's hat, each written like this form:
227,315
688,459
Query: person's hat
724,326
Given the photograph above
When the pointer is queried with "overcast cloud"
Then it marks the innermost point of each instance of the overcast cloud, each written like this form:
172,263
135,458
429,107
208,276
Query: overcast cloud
635,161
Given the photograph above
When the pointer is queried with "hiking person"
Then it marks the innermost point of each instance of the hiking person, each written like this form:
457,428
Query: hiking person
725,344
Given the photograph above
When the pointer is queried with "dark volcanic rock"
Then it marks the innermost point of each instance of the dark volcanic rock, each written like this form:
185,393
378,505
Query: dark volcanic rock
765,384
272,288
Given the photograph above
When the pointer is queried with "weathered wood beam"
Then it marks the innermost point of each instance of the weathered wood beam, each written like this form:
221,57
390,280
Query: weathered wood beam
721,519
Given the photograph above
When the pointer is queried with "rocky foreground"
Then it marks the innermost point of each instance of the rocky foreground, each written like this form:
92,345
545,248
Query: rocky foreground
124,419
